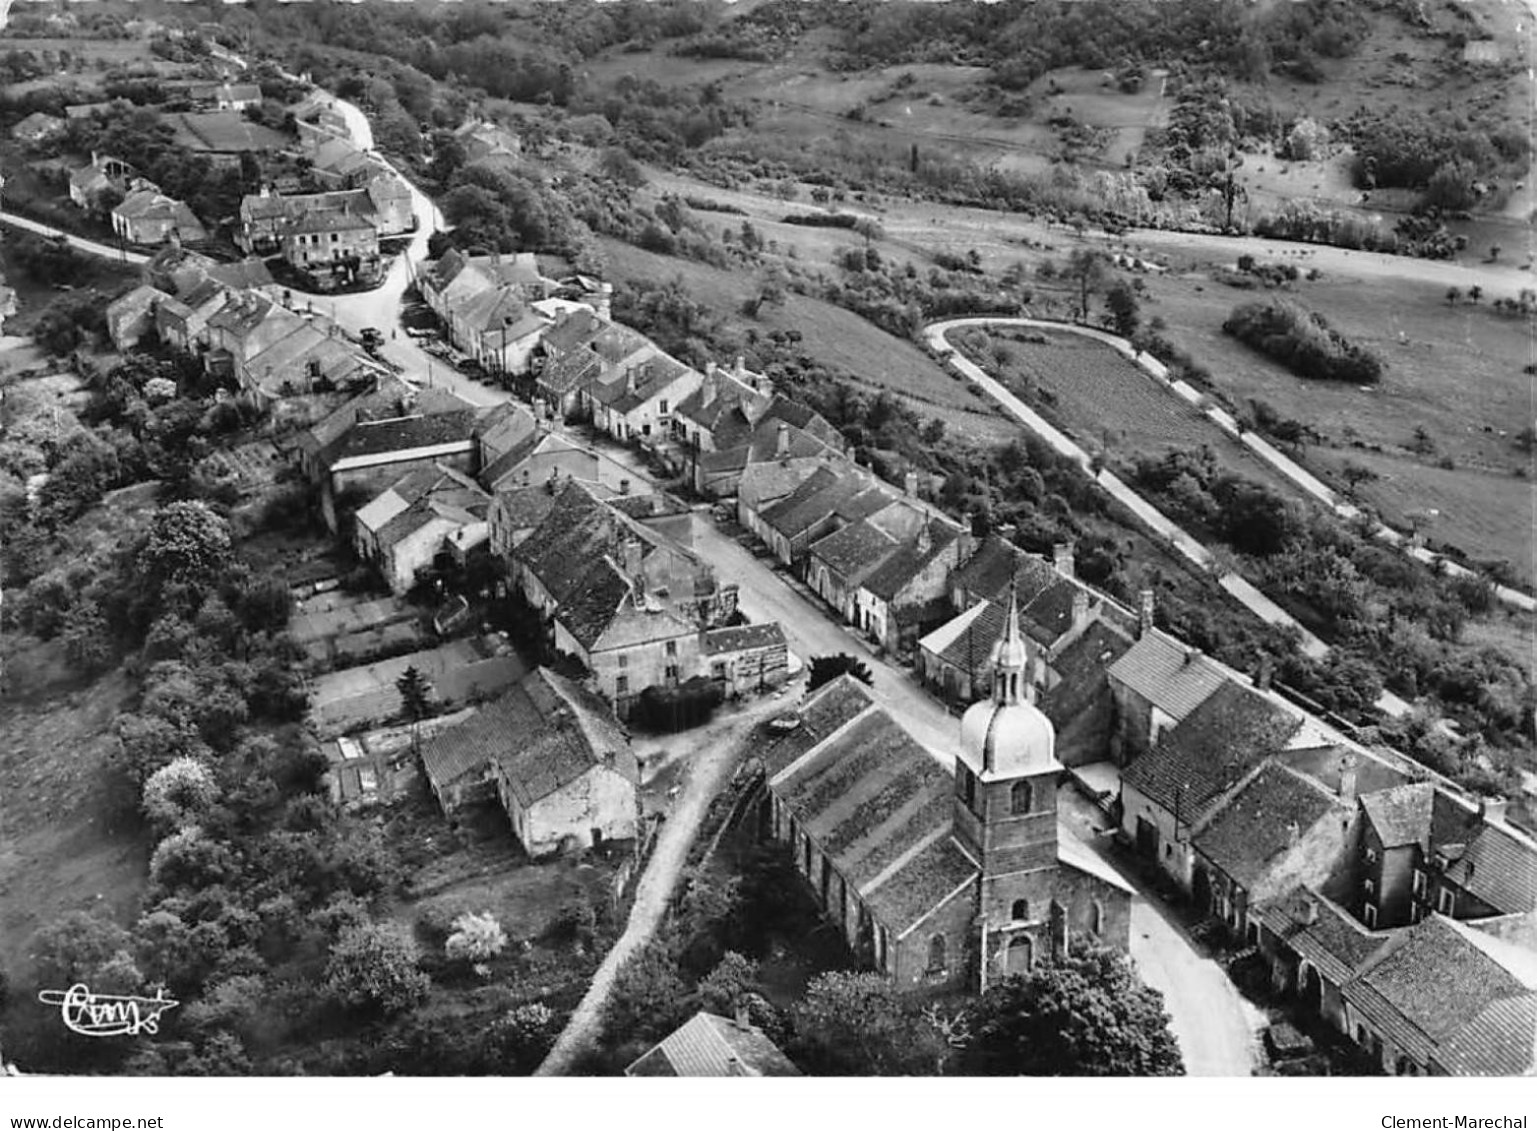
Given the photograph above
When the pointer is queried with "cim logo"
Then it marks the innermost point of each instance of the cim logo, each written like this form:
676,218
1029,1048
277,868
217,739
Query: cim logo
108,1015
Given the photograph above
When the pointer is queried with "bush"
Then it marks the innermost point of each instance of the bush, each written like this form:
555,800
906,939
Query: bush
1303,342
373,967
677,708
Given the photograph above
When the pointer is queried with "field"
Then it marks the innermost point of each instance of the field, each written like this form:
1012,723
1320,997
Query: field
829,334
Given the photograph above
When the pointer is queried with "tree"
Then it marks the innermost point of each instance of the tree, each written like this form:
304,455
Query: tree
75,948
373,967
415,694
187,543
1086,270
1355,475
649,997
1085,1015
1475,292
726,987
1121,302
1453,296
87,642
861,1025
825,669
1451,187
475,938
180,793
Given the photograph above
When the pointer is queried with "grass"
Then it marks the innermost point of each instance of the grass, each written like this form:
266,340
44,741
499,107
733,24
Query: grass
876,359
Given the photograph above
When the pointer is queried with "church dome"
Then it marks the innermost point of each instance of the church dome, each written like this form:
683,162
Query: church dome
1006,735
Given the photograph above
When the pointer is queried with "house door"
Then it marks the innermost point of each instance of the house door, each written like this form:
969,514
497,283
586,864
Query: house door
1201,889
1147,837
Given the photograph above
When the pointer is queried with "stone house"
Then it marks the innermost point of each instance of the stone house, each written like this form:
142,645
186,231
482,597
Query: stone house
131,317
405,528
907,594
637,405
1157,684
333,249
746,658
372,454
150,217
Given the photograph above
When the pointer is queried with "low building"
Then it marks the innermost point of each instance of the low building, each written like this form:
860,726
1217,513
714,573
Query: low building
708,1045
148,217
484,141
746,658
372,454
1157,684
560,765
426,513
131,317
90,183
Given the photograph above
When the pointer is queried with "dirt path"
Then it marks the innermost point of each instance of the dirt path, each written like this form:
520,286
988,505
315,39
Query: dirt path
718,749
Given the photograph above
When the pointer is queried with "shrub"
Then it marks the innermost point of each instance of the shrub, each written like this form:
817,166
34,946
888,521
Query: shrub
1303,342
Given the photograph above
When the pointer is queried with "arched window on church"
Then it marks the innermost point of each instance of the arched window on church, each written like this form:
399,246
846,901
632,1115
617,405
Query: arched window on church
1021,953
1097,918
1020,912
1020,797
937,960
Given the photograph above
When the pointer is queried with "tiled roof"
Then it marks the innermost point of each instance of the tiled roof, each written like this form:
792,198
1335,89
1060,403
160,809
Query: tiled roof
996,563
1333,941
1211,751
591,605
1080,668
1433,985
573,332
1499,867
525,507
739,638
821,713
1255,827
854,551
765,483
880,807
366,438
342,220
847,495
575,534
567,372
1047,615
559,731
800,417
652,377
1401,815
707,1045
1166,673
893,574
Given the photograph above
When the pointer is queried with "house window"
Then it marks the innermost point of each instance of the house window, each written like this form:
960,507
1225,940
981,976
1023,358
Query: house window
622,685
718,669
672,647
662,407
937,959
672,673
624,660
1371,855
1020,912
1368,887
1446,901
1097,918
1369,913
1020,798
1419,883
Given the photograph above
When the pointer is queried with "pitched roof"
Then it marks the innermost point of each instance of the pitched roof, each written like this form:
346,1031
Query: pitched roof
524,507
998,562
376,437
1499,867
541,735
1401,815
879,805
652,377
739,638
1321,932
574,535
707,1045
595,600
854,551
1080,667
1172,676
1211,751
889,578
1254,829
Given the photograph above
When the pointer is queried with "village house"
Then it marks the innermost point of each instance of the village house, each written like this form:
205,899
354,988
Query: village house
265,217
224,96
1156,684
721,412
372,454
333,249
773,440
833,497
554,757
746,658
581,350
906,594
151,217
548,457
1438,998
90,183
427,512
483,141
709,1045
967,880
131,317
636,404
381,396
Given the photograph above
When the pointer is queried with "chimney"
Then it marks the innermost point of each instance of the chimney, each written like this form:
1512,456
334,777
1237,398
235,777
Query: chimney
1062,558
631,551
265,192
1005,530
1308,912
743,1021
1293,833
1145,613
925,540
629,380
1347,789
1264,671
910,483
740,369
782,440
1191,654
1490,811
1080,606
966,544
710,387
710,370
606,302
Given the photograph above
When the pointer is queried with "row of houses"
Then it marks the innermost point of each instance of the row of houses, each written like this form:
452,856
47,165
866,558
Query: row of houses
233,317
1400,909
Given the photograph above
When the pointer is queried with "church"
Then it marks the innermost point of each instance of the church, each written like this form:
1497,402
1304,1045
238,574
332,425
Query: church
943,879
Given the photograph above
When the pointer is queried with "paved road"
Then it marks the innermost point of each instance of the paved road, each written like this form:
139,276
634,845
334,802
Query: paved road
707,775
810,630
79,243
1218,1029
